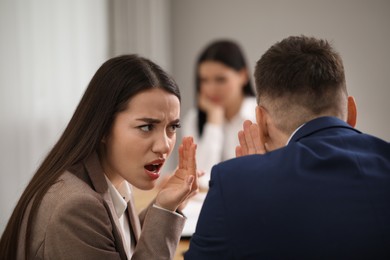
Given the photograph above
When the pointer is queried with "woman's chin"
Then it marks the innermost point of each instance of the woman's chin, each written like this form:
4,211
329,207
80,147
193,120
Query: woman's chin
145,186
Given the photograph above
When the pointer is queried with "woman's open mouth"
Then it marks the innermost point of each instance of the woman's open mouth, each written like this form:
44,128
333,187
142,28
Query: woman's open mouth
153,169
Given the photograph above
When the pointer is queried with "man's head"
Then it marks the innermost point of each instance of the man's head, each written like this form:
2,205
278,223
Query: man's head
299,79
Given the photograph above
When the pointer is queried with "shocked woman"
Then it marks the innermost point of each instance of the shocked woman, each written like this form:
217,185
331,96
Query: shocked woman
78,204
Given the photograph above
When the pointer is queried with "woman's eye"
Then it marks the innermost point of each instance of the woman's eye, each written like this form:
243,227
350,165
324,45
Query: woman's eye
202,80
174,127
146,128
220,80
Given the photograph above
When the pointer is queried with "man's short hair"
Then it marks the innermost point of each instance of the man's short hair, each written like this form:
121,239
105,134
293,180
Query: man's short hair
300,78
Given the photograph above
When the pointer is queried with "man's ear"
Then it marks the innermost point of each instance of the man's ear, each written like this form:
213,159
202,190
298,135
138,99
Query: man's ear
352,112
261,119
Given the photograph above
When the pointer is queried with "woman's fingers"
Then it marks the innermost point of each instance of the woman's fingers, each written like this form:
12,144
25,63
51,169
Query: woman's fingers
187,155
191,165
183,153
181,156
186,150
200,173
184,182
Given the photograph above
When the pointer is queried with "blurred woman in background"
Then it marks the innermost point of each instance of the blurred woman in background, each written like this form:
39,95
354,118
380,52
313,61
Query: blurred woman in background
224,99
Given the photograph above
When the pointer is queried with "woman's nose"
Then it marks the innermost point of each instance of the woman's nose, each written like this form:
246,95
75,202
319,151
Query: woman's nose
161,144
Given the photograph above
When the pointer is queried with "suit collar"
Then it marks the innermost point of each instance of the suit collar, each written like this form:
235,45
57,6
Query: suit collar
120,197
99,183
320,124
96,174
134,219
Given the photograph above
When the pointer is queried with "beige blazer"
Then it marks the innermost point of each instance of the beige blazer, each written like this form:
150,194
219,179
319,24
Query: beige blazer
77,220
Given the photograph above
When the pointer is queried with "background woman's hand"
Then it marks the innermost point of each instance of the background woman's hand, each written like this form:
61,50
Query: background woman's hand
184,182
215,113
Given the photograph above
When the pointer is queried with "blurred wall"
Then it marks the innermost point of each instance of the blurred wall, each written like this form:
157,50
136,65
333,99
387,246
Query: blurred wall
49,50
359,30
142,27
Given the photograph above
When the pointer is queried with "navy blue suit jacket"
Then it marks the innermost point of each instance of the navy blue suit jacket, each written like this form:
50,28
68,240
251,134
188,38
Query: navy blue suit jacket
326,195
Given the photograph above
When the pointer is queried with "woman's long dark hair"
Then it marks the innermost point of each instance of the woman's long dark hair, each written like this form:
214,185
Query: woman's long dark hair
112,86
230,54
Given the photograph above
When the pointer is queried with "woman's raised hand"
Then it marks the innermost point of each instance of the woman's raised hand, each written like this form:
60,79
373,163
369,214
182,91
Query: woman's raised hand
184,182
215,112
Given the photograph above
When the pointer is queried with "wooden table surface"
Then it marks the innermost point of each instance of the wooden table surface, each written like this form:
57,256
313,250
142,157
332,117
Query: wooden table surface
142,200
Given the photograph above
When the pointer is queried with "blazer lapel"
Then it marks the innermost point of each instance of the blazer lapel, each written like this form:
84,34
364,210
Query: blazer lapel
116,230
134,220
99,182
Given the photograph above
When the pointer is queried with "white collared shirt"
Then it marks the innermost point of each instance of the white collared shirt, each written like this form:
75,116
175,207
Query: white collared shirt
293,133
120,198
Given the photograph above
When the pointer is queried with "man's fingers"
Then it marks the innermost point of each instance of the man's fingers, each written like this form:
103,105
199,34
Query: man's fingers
241,139
248,137
258,145
238,151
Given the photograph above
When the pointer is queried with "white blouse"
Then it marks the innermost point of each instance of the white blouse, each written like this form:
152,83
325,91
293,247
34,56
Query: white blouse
218,142
120,198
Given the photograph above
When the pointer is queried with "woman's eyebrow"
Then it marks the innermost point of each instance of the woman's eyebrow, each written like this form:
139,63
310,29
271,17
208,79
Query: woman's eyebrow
156,121
149,120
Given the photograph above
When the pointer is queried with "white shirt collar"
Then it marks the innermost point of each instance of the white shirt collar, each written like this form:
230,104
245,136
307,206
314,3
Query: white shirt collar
293,133
120,197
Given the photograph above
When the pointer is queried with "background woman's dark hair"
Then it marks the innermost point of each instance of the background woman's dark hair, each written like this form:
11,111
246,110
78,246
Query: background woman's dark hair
112,86
230,54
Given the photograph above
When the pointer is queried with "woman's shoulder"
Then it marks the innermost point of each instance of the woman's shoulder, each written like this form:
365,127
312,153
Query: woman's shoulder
67,197
69,190
70,211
